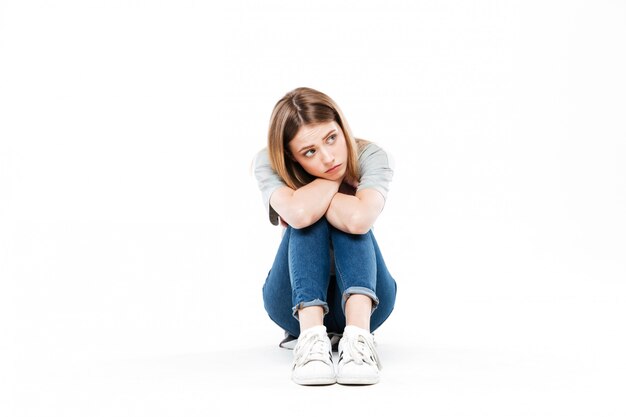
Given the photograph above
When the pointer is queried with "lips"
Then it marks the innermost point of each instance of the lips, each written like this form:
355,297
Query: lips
333,169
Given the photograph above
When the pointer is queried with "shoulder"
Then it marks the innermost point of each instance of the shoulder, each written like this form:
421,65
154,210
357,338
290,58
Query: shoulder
376,168
371,154
267,178
268,181
261,165
366,149
262,157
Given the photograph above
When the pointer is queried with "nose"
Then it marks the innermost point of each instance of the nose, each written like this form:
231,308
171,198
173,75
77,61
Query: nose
327,156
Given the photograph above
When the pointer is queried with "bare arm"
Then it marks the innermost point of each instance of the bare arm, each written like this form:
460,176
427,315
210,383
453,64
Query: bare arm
357,213
306,205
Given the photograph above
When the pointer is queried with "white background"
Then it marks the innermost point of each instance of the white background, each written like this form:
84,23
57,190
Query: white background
133,241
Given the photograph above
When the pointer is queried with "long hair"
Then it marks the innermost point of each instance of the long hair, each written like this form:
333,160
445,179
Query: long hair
300,107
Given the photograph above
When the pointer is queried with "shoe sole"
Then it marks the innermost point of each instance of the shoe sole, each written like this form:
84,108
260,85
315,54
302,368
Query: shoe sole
358,381
314,381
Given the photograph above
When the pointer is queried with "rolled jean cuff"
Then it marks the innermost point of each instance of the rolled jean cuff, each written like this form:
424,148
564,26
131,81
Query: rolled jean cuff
316,302
359,290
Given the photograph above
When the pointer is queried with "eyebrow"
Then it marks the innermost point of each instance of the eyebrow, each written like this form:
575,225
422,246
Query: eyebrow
325,136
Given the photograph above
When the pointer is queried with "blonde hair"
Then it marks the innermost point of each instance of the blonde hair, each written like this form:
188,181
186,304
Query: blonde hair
300,107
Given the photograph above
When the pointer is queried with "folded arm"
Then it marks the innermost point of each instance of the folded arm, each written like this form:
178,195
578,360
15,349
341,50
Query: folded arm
357,213
306,205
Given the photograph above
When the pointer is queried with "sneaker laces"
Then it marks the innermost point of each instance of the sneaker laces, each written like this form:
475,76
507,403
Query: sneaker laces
311,347
361,349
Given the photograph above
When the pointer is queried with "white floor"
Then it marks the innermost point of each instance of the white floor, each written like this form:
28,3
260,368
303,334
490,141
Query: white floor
155,320
541,357
418,380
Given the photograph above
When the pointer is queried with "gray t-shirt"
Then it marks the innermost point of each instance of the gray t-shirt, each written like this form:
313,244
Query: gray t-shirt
375,166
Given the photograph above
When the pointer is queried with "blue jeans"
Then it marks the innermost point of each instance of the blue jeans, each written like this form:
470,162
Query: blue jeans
301,276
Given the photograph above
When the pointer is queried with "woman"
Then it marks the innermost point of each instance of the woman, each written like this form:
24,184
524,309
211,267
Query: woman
327,189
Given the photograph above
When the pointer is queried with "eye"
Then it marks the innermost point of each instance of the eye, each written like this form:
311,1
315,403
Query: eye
309,153
331,139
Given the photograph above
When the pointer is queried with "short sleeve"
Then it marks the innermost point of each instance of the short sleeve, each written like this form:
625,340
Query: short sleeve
376,169
268,181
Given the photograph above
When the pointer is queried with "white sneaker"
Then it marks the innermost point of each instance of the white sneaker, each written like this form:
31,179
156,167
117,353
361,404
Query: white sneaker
313,359
358,360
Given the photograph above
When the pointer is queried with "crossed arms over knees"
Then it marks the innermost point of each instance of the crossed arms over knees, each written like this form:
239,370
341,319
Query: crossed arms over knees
350,212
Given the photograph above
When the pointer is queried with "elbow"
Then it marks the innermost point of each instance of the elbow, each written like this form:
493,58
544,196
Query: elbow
300,219
357,229
358,225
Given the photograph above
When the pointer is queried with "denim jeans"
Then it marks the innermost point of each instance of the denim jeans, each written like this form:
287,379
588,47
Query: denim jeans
301,276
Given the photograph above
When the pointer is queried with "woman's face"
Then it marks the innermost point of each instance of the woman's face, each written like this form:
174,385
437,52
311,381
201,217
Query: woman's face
321,150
